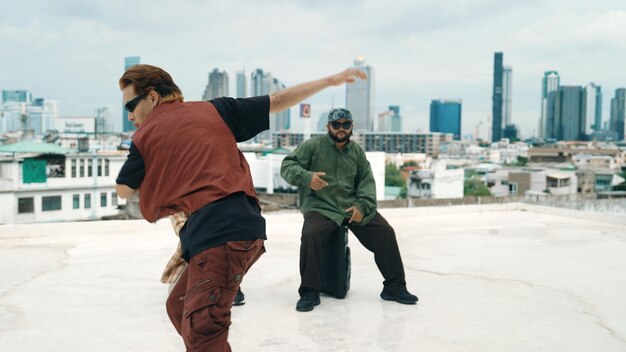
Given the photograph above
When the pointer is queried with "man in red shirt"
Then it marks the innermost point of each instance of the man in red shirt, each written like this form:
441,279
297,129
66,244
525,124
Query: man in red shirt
184,158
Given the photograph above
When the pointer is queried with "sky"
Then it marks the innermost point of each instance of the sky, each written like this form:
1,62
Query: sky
73,51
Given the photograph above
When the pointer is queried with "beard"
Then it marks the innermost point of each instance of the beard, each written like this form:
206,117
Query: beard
336,139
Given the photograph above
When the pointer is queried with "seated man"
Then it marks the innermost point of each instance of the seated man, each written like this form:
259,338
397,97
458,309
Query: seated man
336,184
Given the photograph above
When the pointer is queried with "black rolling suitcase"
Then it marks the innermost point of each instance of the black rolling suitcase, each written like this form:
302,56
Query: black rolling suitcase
335,264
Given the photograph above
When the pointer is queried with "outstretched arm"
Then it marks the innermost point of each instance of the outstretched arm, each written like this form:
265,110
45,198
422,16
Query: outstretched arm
291,96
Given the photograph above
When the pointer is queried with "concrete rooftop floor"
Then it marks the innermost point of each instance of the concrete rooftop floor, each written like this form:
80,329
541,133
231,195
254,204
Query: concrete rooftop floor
490,278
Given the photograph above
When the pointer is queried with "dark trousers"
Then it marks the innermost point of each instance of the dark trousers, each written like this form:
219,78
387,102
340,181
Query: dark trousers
377,236
200,302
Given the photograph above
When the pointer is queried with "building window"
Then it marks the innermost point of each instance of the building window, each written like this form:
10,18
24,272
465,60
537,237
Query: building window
106,167
73,167
114,199
89,167
87,200
75,201
25,205
82,168
103,199
55,165
552,182
51,203
99,167
513,189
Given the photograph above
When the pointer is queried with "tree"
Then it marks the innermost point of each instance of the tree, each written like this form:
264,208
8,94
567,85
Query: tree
394,178
522,161
475,187
409,164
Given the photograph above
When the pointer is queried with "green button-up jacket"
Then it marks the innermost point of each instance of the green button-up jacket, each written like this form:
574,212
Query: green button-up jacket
348,174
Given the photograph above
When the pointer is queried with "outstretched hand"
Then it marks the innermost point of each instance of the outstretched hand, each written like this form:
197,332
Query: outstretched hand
357,216
317,182
348,76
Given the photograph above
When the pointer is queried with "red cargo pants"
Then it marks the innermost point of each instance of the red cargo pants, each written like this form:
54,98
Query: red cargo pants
200,302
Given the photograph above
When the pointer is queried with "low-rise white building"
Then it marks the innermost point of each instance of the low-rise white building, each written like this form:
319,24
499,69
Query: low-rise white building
520,181
595,162
438,182
505,152
57,185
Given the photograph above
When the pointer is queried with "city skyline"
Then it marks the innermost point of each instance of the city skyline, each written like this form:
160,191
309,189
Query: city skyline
421,51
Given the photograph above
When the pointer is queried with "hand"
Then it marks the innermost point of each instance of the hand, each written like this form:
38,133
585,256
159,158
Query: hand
317,182
357,216
348,76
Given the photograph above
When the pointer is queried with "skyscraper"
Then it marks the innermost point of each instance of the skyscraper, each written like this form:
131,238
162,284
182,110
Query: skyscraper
507,95
19,112
360,97
549,86
242,84
103,120
496,98
282,119
445,117
129,62
618,113
41,116
568,114
592,108
396,118
20,96
217,86
262,83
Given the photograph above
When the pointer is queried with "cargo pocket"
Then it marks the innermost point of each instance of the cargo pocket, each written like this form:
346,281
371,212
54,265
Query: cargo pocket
205,315
241,256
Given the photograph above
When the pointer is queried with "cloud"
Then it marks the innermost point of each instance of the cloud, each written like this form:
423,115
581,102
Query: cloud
73,50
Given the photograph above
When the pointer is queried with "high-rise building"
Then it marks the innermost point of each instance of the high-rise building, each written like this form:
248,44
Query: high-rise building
262,83
618,113
511,132
19,96
282,120
322,121
217,86
445,117
568,114
41,116
360,97
592,108
129,62
242,84
38,115
496,98
507,95
390,120
549,86
396,118
103,121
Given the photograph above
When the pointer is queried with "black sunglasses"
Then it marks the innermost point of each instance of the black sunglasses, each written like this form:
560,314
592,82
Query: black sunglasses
345,125
132,104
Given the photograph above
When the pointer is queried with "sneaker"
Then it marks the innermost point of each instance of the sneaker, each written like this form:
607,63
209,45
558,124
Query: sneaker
308,300
239,298
403,297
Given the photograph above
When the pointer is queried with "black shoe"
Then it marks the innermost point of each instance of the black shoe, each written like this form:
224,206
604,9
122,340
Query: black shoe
239,298
308,300
403,297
